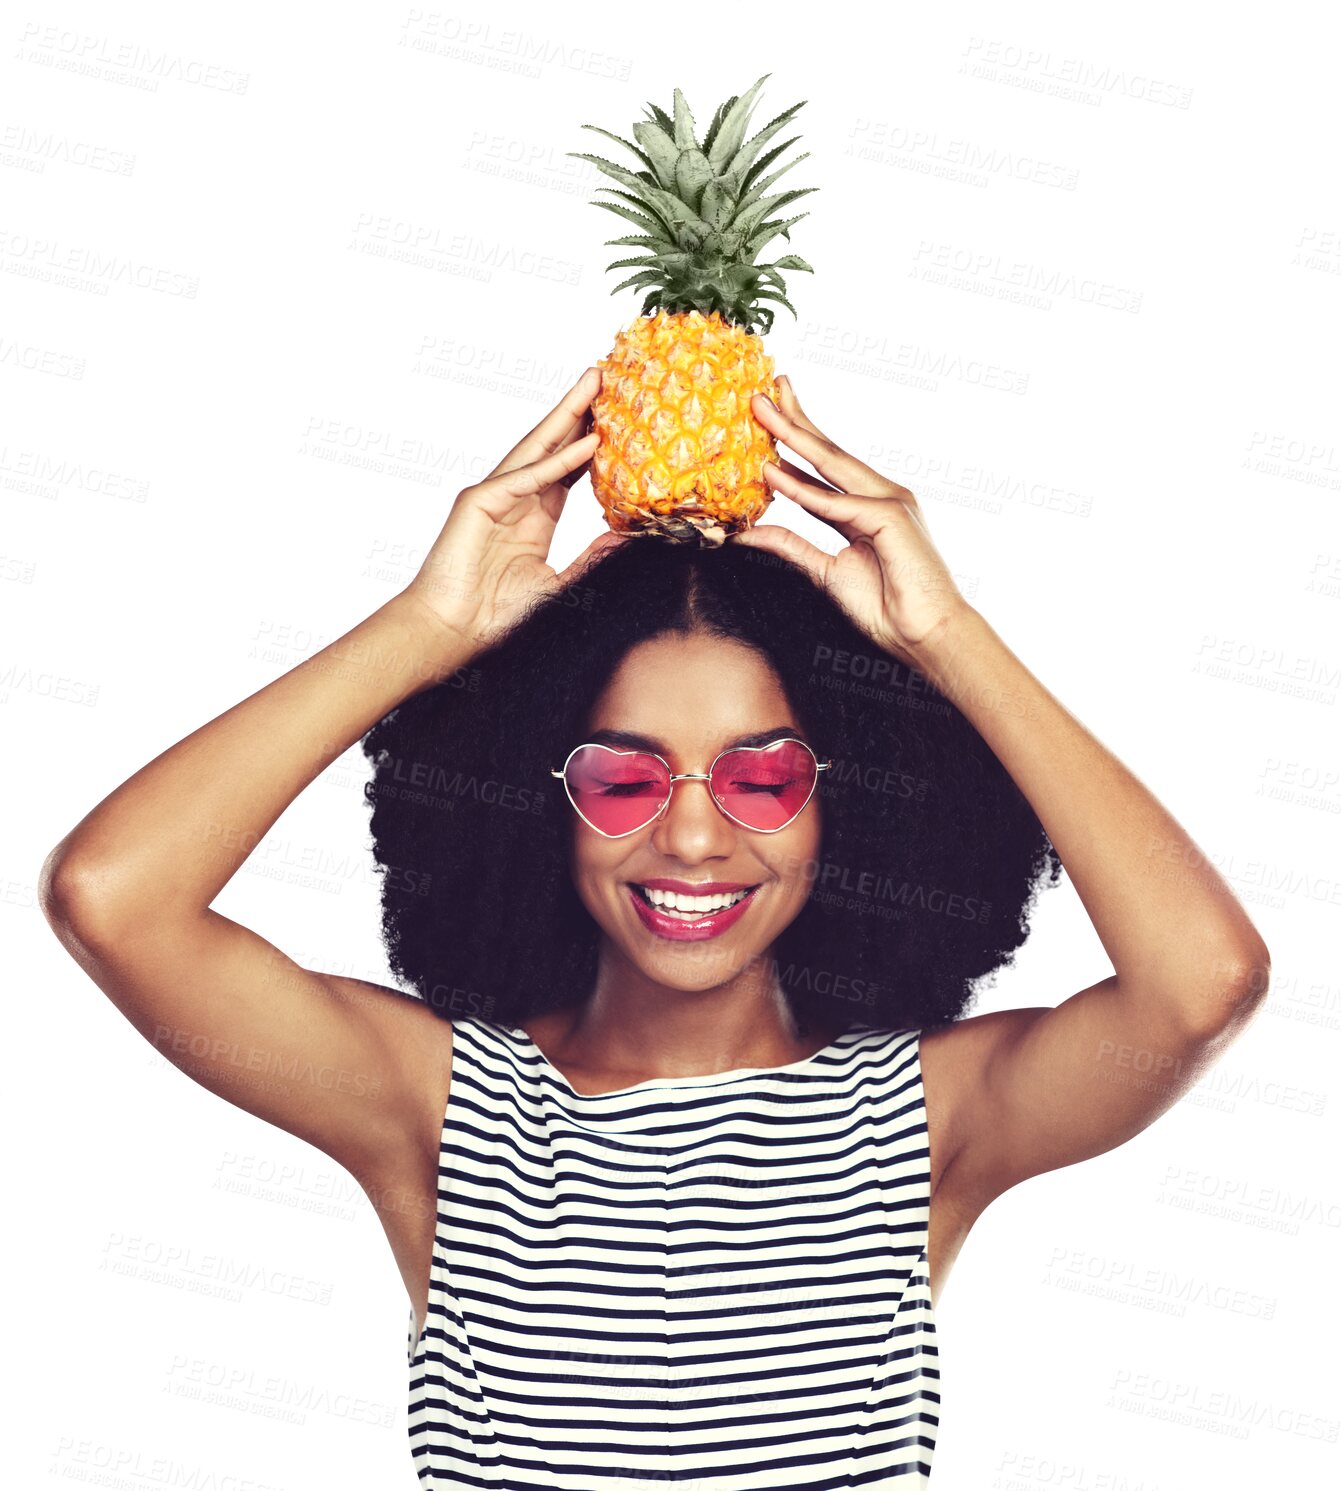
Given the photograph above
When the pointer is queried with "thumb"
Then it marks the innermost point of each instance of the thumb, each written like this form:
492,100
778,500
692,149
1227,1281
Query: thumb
785,543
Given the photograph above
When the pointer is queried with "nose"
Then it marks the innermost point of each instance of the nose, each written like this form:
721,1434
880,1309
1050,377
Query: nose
693,827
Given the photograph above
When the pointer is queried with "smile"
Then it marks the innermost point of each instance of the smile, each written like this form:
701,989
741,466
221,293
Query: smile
689,918
673,901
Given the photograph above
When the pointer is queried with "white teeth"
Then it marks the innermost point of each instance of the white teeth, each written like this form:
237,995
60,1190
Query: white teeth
669,900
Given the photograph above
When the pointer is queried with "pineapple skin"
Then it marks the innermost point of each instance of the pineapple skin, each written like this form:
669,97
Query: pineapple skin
680,454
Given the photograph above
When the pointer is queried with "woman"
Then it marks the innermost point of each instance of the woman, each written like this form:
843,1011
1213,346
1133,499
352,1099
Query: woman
691,1218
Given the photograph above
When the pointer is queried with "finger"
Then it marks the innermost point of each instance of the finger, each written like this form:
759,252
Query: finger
568,421
845,471
565,422
773,538
793,470
499,492
791,406
553,498
851,516
569,477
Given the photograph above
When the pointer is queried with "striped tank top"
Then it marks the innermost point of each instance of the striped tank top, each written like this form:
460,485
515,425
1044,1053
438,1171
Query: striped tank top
717,1280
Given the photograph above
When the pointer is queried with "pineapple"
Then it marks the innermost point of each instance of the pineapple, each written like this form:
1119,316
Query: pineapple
681,454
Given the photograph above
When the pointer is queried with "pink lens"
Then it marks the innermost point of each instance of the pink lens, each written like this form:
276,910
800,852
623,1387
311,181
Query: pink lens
618,792
765,789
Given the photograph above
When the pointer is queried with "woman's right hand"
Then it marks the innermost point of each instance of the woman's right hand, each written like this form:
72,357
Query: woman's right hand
490,561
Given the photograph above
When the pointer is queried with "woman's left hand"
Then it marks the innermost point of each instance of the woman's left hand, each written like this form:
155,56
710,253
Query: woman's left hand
889,579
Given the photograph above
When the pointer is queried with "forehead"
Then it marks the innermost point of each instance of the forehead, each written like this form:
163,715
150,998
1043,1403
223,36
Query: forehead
692,693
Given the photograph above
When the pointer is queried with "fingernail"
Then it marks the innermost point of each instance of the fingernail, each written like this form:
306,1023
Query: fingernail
769,402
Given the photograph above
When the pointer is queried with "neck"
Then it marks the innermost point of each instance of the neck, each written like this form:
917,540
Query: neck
633,1023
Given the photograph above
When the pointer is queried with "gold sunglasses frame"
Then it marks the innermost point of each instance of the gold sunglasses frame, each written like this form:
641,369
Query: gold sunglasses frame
690,776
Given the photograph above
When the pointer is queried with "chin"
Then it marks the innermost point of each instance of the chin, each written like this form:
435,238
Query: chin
693,966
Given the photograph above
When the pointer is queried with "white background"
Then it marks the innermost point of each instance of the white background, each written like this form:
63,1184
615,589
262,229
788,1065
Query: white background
1131,466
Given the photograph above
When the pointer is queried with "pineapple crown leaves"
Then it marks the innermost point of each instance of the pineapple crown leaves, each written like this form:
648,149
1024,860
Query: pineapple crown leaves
703,211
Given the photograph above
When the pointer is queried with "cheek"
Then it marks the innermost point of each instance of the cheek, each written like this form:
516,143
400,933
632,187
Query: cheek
592,860
794,858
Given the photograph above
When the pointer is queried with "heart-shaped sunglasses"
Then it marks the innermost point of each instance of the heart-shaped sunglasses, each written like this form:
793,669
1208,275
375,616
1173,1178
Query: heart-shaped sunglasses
759,787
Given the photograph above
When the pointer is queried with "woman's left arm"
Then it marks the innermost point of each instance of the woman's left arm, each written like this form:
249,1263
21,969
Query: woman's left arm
1189,966
1041,1087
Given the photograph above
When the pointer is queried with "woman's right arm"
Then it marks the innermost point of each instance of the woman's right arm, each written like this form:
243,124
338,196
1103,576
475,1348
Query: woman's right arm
358,1069
344,1064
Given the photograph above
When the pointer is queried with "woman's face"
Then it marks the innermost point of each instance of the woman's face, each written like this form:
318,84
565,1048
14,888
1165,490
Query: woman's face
694,696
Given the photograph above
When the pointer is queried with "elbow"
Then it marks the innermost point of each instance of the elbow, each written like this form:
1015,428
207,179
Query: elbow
1235,987
1211,998
54,887
68,890
1246,976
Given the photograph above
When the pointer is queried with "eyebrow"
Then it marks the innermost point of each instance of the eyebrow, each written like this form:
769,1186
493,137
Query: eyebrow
632,741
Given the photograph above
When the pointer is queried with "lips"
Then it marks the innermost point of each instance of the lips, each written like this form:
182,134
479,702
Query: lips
682,929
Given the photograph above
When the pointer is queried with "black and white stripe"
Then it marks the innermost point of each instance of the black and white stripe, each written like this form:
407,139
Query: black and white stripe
718,1281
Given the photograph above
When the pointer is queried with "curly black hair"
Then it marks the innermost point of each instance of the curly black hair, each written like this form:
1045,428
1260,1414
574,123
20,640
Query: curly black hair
930,861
